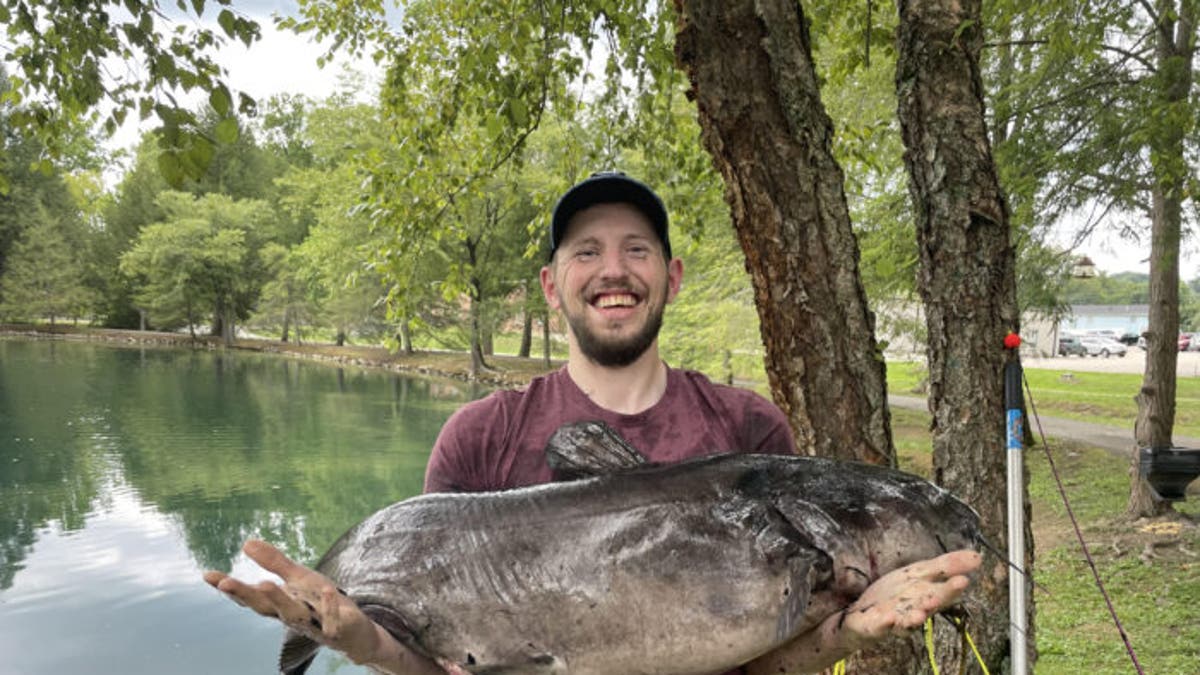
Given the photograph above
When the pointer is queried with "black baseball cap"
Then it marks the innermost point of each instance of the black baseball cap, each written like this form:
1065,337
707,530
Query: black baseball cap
609,187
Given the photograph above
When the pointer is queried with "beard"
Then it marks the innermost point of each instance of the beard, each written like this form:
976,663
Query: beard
615,352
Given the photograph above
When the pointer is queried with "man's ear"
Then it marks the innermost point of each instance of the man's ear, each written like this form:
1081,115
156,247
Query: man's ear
674,278
549,289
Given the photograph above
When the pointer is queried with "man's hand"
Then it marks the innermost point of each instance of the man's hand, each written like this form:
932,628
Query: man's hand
309,603
896,603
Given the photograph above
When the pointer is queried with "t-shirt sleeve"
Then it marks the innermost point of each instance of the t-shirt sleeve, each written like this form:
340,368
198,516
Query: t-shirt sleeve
459,460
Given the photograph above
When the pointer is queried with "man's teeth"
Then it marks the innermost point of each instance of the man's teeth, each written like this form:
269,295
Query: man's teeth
624,300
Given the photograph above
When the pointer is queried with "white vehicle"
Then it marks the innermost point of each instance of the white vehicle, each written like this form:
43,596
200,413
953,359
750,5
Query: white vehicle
1100,346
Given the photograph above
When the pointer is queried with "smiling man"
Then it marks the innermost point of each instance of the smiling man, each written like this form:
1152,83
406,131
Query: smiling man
611,274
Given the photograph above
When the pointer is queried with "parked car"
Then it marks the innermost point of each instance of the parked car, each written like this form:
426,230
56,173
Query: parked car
1186,340
1099,346
1069,345
1194,345
1130,339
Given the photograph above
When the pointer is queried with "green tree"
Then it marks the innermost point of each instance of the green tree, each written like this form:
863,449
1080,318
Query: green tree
133,206
202,260
320,198
45,274
1095,113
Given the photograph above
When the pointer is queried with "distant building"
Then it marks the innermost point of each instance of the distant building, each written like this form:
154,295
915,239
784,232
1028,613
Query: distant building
1083,268
1121,319
901,326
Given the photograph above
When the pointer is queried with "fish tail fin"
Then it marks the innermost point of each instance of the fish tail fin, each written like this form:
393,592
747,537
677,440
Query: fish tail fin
297,654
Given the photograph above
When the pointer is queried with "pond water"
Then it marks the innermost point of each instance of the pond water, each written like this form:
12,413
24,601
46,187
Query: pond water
126,472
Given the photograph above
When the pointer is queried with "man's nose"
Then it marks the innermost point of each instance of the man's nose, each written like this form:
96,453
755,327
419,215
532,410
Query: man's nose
613,265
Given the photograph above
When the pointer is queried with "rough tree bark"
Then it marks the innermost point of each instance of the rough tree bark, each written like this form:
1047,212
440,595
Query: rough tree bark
1174,49
967,282
755,85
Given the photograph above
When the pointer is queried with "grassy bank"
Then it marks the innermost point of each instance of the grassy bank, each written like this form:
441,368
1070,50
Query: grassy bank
1098,398
1150,570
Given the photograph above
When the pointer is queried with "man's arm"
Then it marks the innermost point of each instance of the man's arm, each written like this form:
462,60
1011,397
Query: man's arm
309,603
894,605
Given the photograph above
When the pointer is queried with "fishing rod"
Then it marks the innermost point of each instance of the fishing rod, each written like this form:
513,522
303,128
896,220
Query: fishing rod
1014,378
1018,625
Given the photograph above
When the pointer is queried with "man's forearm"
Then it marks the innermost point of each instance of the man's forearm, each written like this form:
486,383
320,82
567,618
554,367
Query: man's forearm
810,652
389,655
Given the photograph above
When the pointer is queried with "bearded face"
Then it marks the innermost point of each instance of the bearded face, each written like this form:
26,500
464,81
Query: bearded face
611,282
620,341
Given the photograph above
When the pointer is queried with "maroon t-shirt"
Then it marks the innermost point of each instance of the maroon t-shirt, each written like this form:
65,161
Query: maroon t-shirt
498,442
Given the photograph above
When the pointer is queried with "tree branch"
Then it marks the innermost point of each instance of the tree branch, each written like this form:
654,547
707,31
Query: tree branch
1015,43
1131,55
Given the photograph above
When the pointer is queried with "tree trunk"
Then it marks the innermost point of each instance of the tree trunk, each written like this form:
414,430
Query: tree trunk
546,338
287,315
405,337
526,334
967,281
1175,37
477,360
755,86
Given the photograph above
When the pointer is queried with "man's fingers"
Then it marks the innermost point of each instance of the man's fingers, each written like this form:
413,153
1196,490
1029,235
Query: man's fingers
272,559
944,566
213,577
332,617
290,610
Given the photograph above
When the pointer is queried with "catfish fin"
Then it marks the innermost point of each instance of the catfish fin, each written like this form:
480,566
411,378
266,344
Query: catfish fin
297,653
582,449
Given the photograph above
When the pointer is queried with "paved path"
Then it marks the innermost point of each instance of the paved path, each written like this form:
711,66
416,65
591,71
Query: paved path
1118,440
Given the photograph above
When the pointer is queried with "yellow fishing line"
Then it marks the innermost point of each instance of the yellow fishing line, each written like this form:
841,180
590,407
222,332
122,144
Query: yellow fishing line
839,668
929,645
974,649
978,656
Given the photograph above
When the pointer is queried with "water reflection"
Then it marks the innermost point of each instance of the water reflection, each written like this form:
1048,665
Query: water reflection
124,472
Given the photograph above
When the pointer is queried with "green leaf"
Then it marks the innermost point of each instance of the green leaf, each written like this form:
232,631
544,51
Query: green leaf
220,100
170,168
200,154
227,20
226,130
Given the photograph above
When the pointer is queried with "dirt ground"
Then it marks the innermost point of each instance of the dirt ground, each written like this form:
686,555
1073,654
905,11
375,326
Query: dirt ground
1133,362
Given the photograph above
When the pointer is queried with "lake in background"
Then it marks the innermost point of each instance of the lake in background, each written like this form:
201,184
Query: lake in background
125,472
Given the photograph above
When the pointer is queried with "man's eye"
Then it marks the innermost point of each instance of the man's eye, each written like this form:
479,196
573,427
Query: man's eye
639,251
585,254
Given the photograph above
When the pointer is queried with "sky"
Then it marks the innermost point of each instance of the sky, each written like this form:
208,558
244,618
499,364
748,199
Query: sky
1113,254
283,62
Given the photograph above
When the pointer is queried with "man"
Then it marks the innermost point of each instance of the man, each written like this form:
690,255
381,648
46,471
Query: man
611,275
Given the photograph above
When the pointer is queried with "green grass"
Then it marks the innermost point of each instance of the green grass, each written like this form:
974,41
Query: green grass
1158,602
1100,398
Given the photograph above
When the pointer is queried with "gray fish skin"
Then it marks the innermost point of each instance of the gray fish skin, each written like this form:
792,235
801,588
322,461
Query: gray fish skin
691,568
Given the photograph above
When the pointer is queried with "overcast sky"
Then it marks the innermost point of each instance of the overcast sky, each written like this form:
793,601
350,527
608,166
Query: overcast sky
282,62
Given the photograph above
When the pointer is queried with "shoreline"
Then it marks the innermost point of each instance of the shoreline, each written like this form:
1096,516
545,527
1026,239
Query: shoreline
504,371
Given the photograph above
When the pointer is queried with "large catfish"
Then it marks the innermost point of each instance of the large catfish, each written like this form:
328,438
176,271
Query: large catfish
695,567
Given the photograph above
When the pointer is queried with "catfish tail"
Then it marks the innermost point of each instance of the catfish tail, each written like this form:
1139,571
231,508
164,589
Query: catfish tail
297,654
